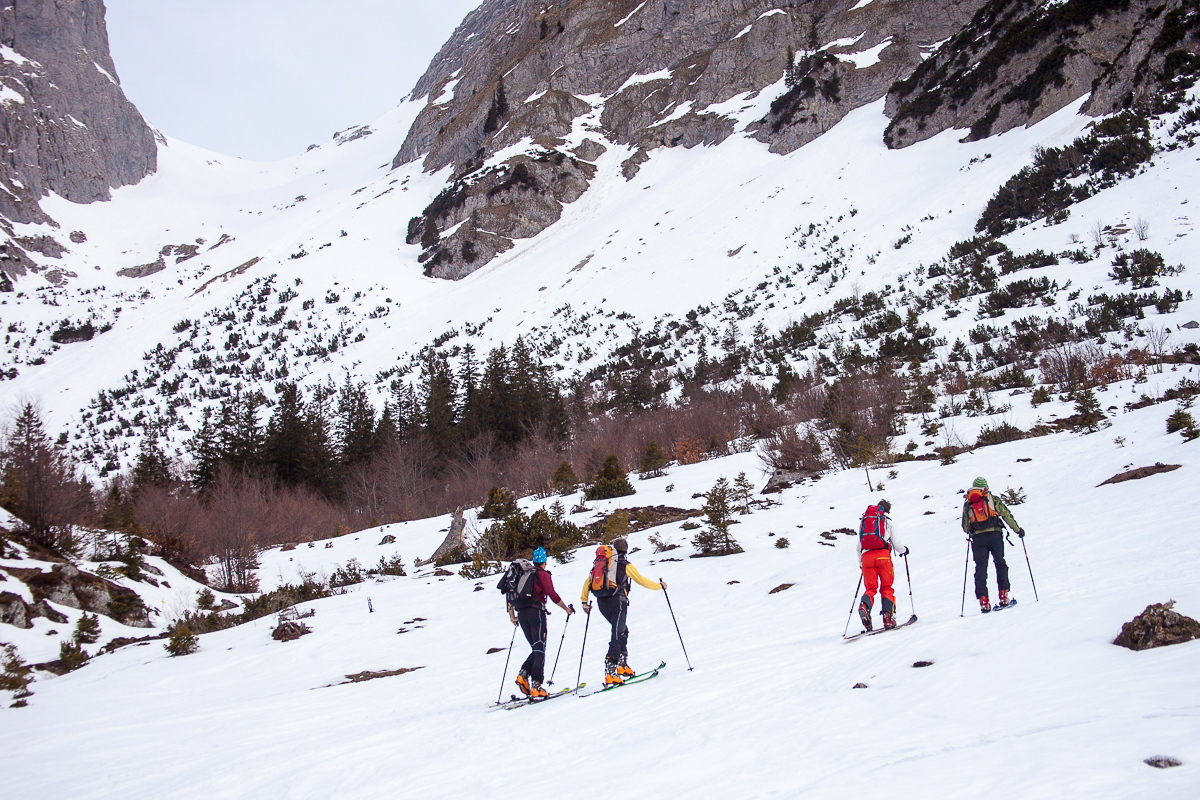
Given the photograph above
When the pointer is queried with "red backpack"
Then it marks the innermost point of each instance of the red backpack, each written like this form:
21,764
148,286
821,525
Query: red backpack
871,530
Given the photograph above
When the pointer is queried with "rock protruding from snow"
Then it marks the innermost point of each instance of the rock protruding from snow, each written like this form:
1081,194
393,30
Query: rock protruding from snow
68,586
67,126
1158,626
454,541
15,611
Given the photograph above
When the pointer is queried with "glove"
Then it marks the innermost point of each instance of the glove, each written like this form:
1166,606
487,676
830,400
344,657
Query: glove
1020,533
907,550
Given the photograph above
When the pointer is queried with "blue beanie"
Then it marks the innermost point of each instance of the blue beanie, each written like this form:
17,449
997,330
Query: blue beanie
539,556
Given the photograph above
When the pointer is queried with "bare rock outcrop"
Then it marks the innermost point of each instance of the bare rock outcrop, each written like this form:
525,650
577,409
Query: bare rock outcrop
66,125
15,611
1019,61
454,547
68,586
526,71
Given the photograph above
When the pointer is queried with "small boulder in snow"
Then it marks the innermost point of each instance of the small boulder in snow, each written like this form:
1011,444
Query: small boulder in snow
1158,626
287,631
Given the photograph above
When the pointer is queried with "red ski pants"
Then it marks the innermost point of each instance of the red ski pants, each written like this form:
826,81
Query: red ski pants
878,575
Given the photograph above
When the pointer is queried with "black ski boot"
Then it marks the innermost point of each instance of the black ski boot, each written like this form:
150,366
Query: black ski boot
864,611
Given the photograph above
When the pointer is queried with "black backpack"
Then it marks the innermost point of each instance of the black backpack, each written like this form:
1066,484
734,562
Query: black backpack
518,583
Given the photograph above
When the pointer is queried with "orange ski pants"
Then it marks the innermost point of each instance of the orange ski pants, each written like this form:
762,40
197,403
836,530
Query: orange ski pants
878,575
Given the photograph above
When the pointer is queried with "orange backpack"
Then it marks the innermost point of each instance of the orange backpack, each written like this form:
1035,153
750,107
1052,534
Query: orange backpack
604,572
982,509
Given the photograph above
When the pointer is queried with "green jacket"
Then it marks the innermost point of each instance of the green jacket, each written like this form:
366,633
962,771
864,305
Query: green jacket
994,525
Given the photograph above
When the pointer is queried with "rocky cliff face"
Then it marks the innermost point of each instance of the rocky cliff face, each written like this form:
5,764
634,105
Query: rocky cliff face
641,75
66,125
1019,61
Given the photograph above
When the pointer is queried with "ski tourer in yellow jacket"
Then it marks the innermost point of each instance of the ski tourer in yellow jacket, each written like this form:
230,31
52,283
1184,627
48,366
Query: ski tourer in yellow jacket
610,580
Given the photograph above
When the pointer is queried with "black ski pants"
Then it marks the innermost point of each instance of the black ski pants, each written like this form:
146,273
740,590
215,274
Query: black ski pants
533,624
615,609
983,544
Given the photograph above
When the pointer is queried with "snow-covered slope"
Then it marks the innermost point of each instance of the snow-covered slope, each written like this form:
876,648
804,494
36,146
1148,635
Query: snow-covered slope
1034,702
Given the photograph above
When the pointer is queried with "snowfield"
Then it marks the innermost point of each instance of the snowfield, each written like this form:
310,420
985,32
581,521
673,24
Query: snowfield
1034,702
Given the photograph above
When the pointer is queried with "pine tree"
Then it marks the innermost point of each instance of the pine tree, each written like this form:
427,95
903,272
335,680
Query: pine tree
288,444
152,468
39,486
386,433
653,462
565,481
470,414
355,424
206,453
408,410
715,539
611,481
438,396
743,490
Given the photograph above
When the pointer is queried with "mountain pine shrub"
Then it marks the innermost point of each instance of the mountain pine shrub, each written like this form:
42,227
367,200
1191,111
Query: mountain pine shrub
87,629
182,642
500,503
611,481
72,655
16,676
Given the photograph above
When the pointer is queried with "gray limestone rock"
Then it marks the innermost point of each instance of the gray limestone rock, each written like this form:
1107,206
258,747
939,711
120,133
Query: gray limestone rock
66,585
1019,62
527,70
66,125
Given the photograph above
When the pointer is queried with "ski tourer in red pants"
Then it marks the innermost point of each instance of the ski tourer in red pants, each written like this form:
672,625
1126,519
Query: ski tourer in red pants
876,542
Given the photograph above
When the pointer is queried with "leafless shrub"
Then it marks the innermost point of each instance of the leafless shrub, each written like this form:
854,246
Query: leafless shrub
1096,234
790,449
1157,340
1142,229
1074,365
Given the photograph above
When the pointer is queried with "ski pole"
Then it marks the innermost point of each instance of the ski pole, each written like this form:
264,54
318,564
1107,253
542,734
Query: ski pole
909,577
1035,595
857,586
582,650
560,644
504,677
966,561
680,635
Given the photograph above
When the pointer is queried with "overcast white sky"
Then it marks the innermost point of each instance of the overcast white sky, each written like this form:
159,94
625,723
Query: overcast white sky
263,79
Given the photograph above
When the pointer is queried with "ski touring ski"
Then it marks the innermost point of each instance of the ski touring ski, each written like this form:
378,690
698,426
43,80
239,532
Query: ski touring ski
643,676
516,702
911,620
1010,604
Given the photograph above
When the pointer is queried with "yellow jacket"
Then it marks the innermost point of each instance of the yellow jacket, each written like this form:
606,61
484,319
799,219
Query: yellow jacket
631,572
